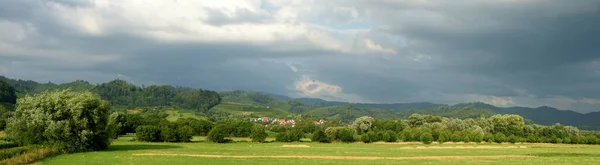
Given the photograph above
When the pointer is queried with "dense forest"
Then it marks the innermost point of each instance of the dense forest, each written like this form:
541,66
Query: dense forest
122,94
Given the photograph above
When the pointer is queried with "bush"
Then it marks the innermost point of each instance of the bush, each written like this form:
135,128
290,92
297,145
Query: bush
476,137
500,137
466,139
184,133
217,134
30,156
405,135
567,140
456,137
392,136
368,137
332,132
116,122
386,137
426,138
532,139
258,134
5,145
11,152
441,139
67,121
294,135
489,138
445,136
2,124
512,139
148,133
381,136
346,135
320,136
282,137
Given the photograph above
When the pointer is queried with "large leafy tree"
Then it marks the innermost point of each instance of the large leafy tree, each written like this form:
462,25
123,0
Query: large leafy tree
68,121
362,124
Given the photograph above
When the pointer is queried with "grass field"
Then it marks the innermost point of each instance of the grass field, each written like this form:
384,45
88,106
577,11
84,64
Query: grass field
124,151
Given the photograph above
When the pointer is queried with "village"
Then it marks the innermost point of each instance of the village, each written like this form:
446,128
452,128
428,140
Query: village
283,121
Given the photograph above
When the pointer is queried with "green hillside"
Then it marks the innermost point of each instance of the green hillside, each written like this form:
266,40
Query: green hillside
244,104
249,110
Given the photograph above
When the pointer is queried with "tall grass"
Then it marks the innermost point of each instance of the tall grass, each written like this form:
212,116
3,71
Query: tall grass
32,155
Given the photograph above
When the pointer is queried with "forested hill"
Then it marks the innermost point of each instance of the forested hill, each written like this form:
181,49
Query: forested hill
343,110
121,93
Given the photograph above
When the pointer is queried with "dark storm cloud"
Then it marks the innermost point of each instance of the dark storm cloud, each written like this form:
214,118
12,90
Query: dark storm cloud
542,52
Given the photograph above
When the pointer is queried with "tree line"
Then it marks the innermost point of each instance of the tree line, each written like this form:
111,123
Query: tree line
120,93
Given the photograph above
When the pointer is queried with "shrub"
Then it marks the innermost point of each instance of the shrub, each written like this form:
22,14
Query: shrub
489,138
258,134
466,139
441,139
405,135
555,140
116,122
332,132
169,134
532,139
392,136
2,124
148,133
445,136
67,121
346,135
476,137
456,137
426,138
319,136
380,136
368,137
294,135
567,140
282,137
30,156
500,137
5,145
184,133
386,137
512,139
11,152
217,134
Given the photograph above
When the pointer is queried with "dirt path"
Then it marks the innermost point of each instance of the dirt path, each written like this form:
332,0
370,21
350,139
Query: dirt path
344,157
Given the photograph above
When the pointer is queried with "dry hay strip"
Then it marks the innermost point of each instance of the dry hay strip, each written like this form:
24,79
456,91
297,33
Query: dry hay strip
344,157
295,146
464,147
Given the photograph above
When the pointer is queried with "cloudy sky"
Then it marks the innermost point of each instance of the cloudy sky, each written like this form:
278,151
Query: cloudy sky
503,52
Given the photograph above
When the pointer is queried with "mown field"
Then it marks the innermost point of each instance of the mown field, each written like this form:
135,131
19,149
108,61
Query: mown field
124,151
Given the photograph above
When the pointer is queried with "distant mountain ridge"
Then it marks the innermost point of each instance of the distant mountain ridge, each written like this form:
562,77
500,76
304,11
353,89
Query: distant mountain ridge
346,111
543,115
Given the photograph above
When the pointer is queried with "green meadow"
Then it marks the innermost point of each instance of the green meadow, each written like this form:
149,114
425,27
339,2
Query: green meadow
126,151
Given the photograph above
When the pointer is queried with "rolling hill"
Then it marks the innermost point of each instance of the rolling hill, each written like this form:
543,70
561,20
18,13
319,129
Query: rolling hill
251,103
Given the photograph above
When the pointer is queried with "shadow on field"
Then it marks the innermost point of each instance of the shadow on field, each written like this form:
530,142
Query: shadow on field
566,155
140,147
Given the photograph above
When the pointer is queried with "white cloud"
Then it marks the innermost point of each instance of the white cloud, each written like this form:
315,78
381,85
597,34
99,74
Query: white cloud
378,48
492,100
308,87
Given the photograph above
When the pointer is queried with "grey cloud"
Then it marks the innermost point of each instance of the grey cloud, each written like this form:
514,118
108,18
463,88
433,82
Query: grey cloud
241,15
546,49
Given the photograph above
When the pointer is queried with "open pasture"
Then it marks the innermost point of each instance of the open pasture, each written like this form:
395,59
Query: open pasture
124,151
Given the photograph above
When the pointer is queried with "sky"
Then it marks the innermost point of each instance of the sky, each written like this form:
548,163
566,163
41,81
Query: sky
502,52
